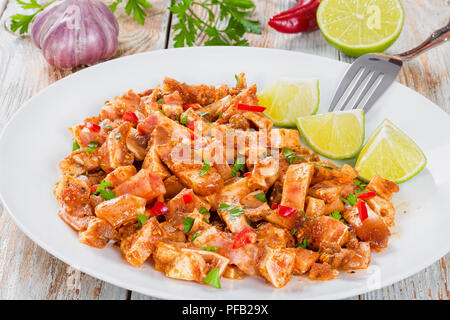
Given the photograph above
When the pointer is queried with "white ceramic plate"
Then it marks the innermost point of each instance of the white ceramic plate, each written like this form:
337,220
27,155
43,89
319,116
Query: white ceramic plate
36,139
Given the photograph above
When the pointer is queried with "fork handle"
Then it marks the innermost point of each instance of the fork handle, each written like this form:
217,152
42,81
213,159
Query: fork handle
438,37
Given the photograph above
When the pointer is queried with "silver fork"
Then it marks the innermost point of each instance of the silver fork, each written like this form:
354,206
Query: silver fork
370,75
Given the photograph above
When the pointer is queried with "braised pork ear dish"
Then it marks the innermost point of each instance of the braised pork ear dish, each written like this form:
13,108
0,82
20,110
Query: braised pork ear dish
195,179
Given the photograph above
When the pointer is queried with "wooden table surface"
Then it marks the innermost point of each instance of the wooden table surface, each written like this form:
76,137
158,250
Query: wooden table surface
29,272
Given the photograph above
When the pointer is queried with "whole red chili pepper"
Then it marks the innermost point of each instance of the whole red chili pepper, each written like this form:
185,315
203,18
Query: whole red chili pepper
301,18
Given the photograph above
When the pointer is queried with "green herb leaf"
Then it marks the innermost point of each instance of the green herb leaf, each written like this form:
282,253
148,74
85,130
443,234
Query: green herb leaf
92,146
104,192
212,249
220,115
187,224
195,236
141,220
293,232
238,82
135,7
239,165
205,168
234,211
118,136
336,215
160,101
213,278
304,244
21,22
184,119
107,127
160,110
291,155
177,116
351,199
261,197
75,146
203,210
322,165
202,114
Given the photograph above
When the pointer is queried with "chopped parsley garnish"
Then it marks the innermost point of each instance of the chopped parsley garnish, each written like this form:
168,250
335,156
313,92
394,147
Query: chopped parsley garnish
177,116
141,220
107,127
293,231
261,197
75,146
291,155
304,244
239,165
187,224
220,115
238,82
184,119
360,185
322,165
160,110
351,199
104,192
202,114
203,210
212,249
206,221
160,101
336,215
213,278
118,136
233,210
195,236
92,146
205,168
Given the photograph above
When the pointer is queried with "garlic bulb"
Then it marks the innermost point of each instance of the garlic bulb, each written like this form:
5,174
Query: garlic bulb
75,32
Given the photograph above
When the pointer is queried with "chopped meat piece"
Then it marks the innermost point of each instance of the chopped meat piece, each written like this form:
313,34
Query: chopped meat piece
137,144
285,138
322,272
277,266
98,233
315,207
259,213
72,195
121,210
264,174
304,259
173,187
384,208
259,120
382,187
144,184
274,237
187,266
327,229
115,108
137,247
296,184
179,209
120,175
234,273
80,162
114,152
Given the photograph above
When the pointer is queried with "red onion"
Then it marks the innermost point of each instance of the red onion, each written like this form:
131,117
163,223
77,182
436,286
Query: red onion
75,32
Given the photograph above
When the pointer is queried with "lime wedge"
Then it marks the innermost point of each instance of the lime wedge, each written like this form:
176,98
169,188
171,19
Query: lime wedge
287,99
336,135
391,154
358,27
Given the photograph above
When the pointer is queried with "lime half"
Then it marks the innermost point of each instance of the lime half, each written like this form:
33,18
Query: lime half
391,154
287,99
336,135
358,27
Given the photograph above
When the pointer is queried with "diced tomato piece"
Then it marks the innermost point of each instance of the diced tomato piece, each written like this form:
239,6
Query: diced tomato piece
247,174
366,195
286,212
94,188
247,107
187,198
274,206
159,208
130,116
194,106
192,125
193,137
361,205
245,236
93,127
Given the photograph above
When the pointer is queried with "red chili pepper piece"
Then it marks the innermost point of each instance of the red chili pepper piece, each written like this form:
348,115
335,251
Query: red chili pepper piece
245,236
274,206
93,127
361,205
366,195
130,116
286,212
301,18
194,106
94,188
159,208
187,198
247,174
192,125
247,107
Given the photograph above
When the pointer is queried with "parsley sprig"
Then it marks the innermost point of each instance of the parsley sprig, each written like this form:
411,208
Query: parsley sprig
234,211
239,165
22,21
104,192
135,7
234,12
290,155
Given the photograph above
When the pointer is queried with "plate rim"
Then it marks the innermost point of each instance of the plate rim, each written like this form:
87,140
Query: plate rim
154,292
